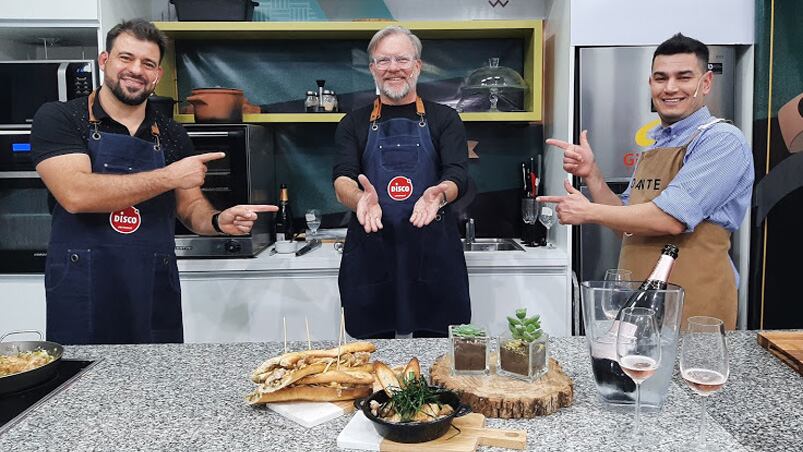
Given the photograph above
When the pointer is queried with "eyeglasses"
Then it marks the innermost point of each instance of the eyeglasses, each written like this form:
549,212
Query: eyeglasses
404,62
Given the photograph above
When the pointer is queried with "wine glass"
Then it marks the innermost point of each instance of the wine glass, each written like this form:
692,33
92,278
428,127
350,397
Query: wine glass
618,280
313,217
704,364
547,217
638,350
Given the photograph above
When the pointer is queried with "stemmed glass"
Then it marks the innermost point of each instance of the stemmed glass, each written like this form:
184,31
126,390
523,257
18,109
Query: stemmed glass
704,364
616,279
547,217
638,350
313,217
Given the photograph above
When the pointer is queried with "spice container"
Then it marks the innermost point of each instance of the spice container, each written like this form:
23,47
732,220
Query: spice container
311,103
328,101
469,349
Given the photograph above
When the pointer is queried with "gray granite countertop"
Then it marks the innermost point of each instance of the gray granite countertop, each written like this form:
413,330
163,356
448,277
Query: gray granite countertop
190,397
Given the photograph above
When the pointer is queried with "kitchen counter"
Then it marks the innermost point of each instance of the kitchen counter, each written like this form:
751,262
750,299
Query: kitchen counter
326,258
190,397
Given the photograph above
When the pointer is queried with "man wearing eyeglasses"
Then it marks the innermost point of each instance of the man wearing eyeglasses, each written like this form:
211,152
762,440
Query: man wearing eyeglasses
401,161
691,188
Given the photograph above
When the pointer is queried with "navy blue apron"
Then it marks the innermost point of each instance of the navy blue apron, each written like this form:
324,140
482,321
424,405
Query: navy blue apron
403,278
111,278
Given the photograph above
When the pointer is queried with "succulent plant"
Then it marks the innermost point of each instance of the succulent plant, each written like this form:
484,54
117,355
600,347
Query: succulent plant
468,331
523,328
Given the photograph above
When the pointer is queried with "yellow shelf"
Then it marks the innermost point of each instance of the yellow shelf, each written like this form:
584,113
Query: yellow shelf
531,31
343,30
502,116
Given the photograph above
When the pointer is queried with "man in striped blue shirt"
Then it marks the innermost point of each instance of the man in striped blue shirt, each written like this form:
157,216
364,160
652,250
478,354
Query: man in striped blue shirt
692,187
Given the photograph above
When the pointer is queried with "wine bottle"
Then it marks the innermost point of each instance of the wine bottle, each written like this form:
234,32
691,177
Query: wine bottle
649,294
283,223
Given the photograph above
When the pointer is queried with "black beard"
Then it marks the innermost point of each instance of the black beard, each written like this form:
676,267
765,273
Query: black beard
126,98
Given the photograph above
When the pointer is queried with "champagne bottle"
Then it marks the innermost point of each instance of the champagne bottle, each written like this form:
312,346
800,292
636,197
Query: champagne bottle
283,223
604,365
649,294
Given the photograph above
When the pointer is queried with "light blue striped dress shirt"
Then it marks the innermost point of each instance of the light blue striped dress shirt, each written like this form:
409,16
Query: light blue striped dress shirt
715,182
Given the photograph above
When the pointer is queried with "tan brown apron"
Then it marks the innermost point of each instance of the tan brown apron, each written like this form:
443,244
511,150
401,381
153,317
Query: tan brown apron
703,266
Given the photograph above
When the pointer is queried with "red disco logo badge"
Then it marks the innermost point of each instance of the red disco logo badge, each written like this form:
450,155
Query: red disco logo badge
400,188
125,221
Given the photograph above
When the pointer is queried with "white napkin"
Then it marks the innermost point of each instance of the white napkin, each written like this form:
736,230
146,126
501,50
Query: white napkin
359,434
308,414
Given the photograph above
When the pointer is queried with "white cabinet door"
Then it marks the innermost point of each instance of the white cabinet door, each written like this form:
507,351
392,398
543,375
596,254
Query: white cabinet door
496,295
251,307
56,10
22,304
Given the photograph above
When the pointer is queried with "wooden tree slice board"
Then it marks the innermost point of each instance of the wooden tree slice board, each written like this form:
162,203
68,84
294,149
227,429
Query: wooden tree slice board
507,398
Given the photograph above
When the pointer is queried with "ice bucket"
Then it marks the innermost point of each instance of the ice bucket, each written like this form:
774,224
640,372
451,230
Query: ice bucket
601,303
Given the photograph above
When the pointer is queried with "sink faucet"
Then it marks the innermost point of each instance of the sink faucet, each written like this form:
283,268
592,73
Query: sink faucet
470,231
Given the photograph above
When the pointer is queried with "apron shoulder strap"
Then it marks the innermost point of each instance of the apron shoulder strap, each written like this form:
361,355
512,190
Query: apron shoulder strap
703,128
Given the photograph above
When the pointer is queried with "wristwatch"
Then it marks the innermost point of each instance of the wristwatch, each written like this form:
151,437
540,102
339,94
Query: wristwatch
216,224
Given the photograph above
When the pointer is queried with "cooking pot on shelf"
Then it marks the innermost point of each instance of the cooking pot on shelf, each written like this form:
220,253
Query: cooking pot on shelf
218,105
23,380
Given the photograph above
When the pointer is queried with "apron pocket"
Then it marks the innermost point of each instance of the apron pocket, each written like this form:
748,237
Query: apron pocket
69,297
166,309
365,261
399,156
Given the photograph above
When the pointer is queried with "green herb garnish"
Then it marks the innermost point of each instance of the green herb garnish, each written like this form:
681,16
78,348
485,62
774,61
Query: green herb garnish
408,401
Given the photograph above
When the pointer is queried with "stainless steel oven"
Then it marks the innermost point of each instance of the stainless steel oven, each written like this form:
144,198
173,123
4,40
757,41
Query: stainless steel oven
24,205
245,176
26,85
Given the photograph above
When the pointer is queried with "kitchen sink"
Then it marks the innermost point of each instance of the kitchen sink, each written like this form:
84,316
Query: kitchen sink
491,245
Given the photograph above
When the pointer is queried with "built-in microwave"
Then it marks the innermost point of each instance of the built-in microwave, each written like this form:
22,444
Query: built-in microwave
26,85
24,205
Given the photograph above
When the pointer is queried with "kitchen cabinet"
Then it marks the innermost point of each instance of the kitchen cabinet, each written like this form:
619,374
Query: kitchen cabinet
528,31
22,305
246,300
496,295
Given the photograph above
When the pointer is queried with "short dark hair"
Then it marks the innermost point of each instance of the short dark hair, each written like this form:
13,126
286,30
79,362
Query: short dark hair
683,44
140,29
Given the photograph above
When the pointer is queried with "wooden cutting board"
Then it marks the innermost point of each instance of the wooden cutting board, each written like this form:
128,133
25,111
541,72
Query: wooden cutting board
786,345
360,434
504,397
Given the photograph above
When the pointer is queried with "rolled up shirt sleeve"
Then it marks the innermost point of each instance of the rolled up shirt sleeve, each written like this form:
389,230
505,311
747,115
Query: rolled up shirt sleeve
714,181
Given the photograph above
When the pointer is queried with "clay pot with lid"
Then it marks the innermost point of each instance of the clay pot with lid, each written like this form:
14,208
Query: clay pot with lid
217,105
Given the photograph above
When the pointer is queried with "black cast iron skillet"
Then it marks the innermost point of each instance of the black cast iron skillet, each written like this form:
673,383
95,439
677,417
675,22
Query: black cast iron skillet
33,377
413,432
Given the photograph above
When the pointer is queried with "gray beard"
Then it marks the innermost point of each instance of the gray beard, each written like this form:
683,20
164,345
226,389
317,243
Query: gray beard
399,94
126,98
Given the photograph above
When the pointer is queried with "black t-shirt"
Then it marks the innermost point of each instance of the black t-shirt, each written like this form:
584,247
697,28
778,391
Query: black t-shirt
63,128
445,127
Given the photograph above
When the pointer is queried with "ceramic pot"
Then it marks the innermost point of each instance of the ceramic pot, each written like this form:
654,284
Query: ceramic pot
217,105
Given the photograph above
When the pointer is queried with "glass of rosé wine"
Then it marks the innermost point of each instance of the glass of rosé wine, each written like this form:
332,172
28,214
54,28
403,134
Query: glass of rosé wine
638,350
704,364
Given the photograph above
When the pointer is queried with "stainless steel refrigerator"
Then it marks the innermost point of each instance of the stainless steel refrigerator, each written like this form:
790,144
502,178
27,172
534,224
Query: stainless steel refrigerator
615,106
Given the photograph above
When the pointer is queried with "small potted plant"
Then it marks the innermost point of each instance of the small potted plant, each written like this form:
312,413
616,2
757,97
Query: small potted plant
523,350
469,349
